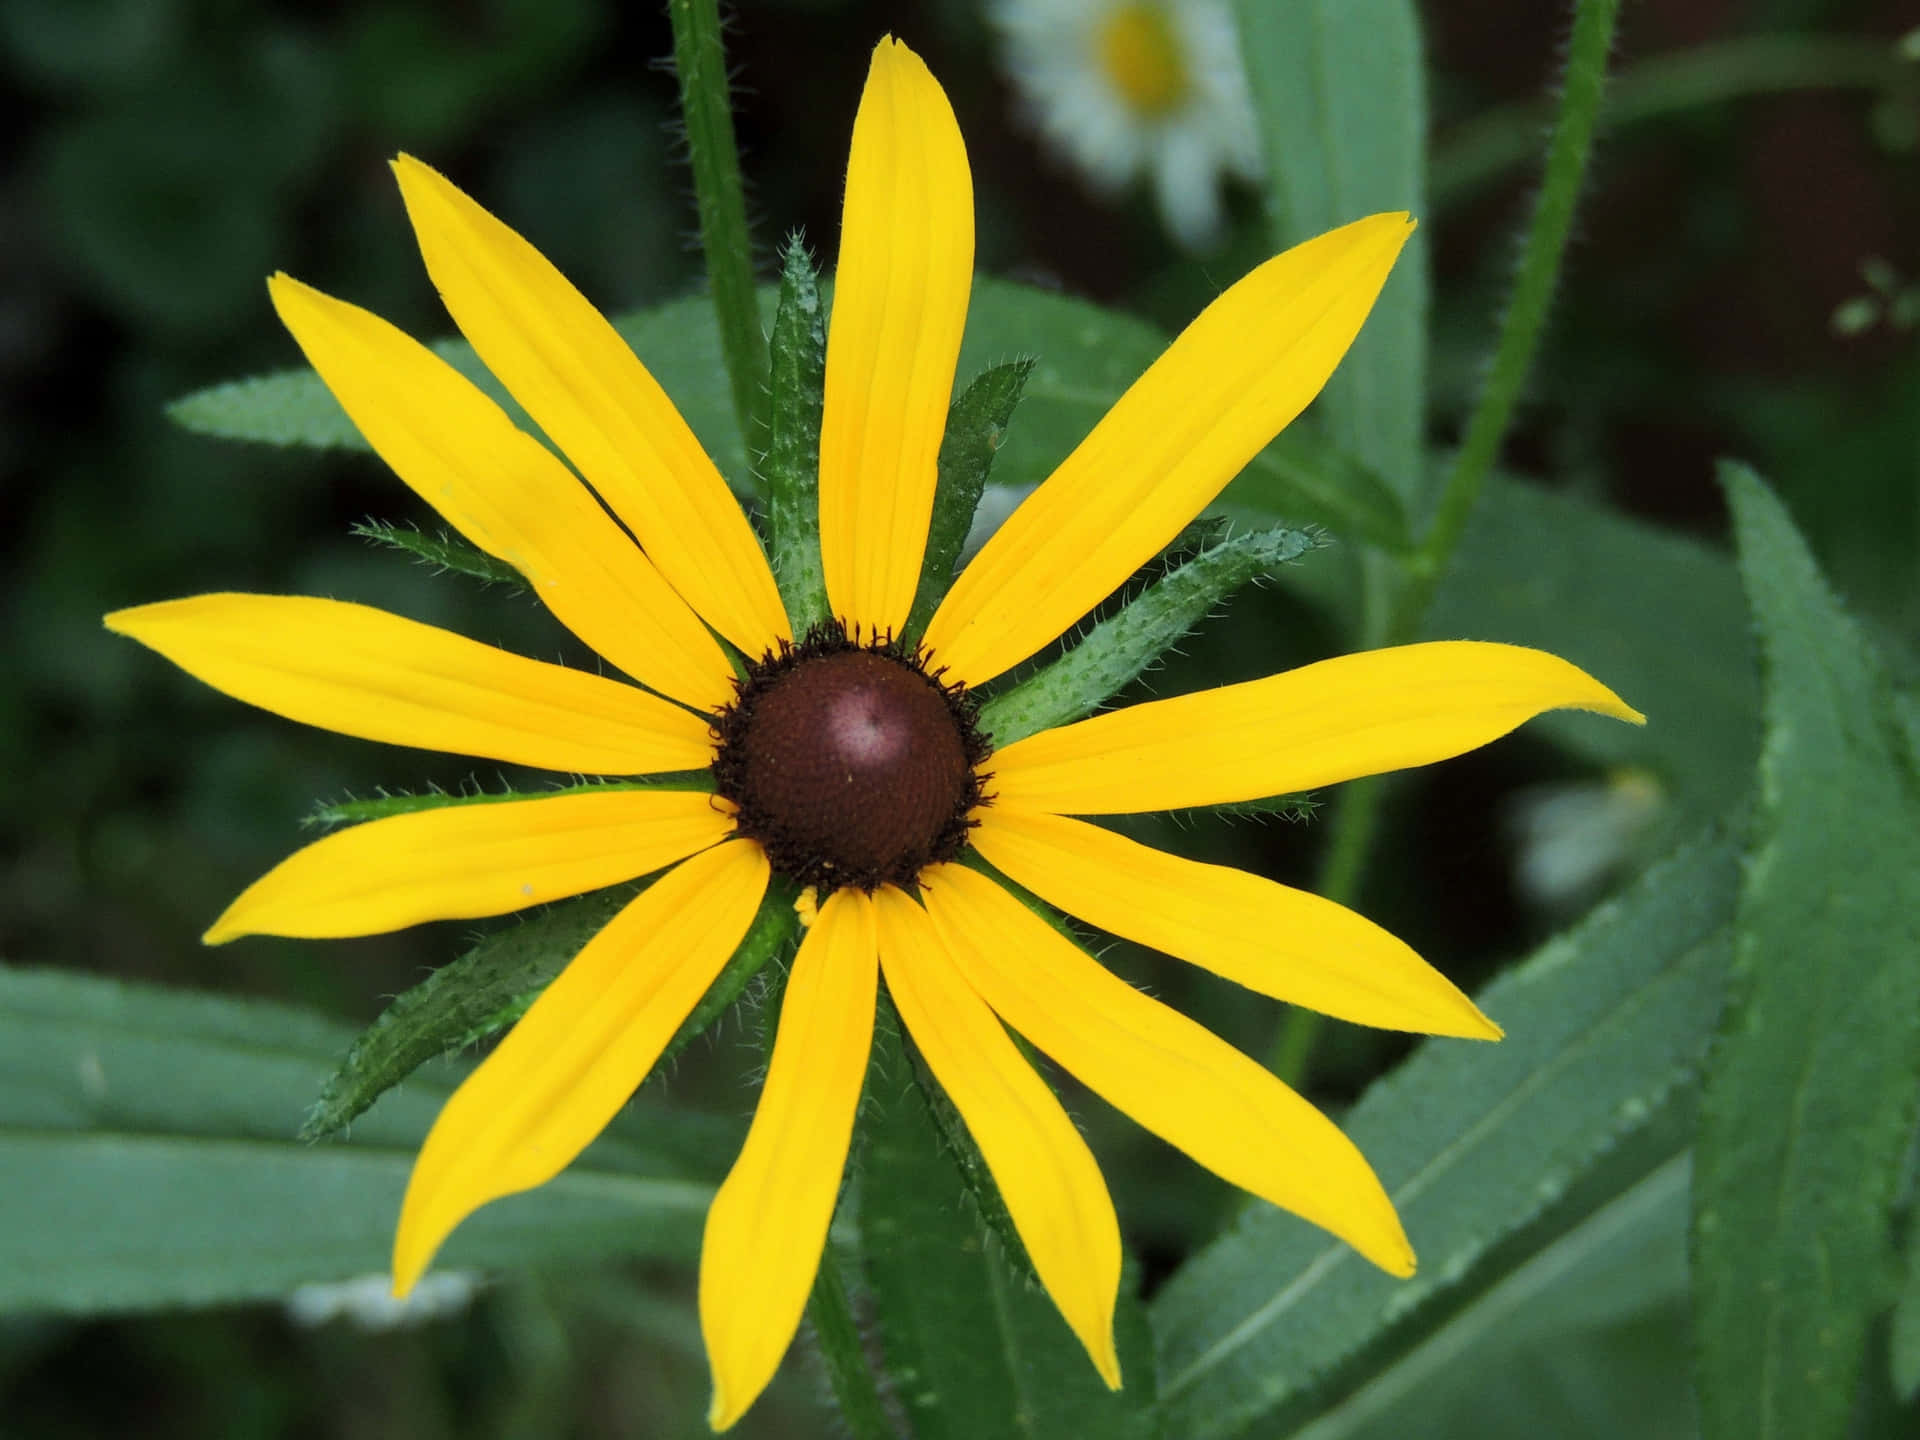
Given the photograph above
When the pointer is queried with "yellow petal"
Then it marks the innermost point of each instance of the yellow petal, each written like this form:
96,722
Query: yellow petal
1178,1080
506,492
1232,381
769,1222
899,305
363,672
1046,1174
1285,943
465,861
587,390
1338,720
577,1056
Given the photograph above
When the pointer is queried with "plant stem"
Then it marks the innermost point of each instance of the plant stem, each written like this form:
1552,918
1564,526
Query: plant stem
1357,813
1526,313
701,63
838,1337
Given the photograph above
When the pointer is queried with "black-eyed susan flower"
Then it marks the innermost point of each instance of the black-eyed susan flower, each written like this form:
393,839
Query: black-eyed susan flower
1125,88
839,759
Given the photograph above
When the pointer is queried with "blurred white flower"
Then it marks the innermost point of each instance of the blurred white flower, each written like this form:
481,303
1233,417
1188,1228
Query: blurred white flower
367,1300
1125,86
1573,838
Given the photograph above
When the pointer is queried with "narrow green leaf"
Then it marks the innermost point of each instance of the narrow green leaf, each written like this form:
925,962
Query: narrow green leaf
1087,357
976,424
974,1350
1340,90
1624,1259
1118,649
1276,1322
462,1003
792,464
480,994
147,1158
444,553
1657,616
678,341
378,807
1810,1103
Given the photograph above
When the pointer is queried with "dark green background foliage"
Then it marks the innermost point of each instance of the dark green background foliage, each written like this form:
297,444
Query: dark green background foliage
163,156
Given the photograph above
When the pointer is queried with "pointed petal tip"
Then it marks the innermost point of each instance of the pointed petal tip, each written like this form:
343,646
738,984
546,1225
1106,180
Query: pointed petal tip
724,1411
1107,1361
224,929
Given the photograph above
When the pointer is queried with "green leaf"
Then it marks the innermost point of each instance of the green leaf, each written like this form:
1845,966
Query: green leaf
1625,1259
442,552
792,464
1810,1103
1340,91
976,424
1118,649
1656,616
1276,1322
678,341
974,1350
378,807
475,997
1087,357
147,1158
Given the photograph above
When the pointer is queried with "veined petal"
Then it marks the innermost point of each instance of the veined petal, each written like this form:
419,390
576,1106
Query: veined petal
899,305
506,492
589,392
577,1056
465,861
769,1222
360,671
1046,1174
1232,381
1338,720
1281,942
1183,1083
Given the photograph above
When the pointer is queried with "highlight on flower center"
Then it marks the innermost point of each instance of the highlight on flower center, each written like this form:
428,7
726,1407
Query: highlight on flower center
1123,88
848,759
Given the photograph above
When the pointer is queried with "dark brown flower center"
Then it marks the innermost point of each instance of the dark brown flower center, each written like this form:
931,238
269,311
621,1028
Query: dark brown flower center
850,765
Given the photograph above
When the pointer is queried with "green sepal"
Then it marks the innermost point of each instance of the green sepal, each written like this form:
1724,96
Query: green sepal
487,989
380,807
976,424
973,1348
442,552
1809,1107
791,468
982,1194
1122,646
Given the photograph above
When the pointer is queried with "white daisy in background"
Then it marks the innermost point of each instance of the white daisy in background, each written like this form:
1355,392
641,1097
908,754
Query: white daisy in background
1125,86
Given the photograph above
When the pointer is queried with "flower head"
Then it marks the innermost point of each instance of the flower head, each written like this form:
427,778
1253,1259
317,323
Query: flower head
848,763
1125,87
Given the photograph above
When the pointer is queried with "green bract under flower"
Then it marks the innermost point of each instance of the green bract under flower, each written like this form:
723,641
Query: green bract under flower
852,768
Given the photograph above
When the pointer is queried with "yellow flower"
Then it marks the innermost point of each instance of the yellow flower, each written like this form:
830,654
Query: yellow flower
850,767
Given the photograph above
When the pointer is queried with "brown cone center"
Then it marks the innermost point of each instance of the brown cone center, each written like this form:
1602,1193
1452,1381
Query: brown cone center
852,769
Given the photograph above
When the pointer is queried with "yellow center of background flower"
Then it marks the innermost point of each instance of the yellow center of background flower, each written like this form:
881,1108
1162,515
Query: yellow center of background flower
1140,53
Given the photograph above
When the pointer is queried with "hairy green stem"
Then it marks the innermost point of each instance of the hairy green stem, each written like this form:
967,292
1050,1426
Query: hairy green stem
1357,814
838,1337
700,60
